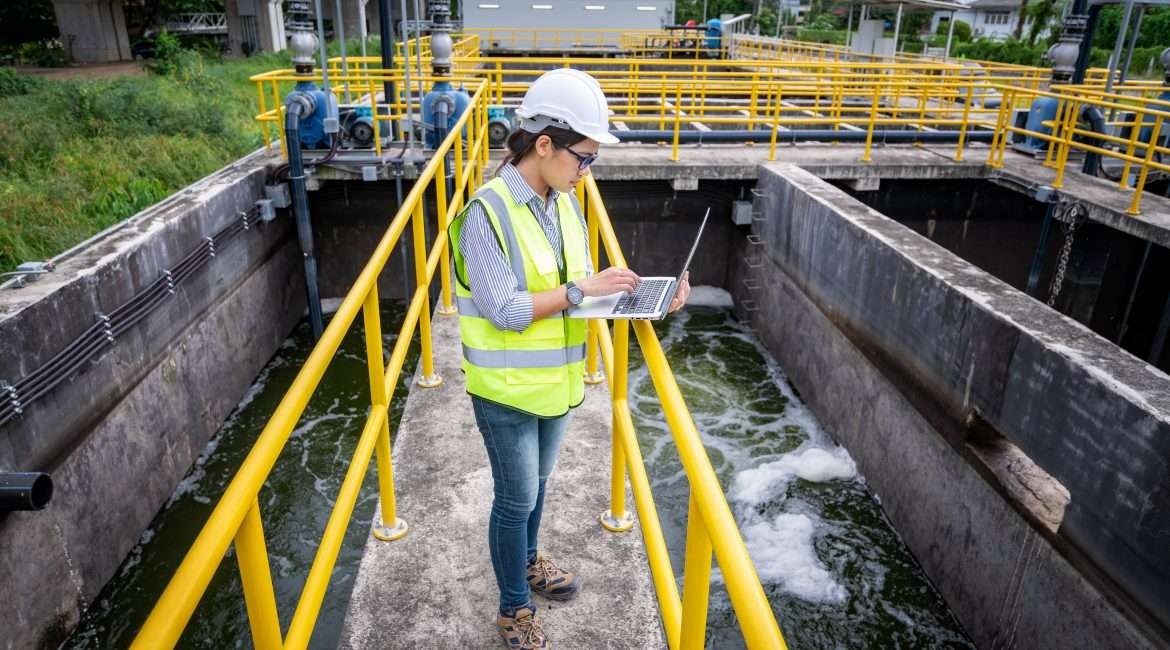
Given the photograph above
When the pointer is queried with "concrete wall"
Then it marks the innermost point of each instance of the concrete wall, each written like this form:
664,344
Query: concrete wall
1023,459
93,31
119,435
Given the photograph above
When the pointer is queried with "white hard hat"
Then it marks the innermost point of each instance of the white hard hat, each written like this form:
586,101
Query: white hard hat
569,99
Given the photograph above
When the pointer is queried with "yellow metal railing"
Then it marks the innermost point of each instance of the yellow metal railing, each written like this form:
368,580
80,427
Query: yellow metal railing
1130,108
711,528
236,518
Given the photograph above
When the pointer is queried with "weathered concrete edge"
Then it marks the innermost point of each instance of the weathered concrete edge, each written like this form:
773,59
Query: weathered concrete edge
830,256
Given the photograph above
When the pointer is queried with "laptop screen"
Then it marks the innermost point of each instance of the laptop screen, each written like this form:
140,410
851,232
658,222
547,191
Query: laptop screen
694,247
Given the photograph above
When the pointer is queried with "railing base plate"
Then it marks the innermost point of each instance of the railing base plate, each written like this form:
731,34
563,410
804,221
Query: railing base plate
614,525
391,533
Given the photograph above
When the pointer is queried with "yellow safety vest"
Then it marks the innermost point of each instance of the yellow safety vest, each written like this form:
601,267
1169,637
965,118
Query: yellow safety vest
540,370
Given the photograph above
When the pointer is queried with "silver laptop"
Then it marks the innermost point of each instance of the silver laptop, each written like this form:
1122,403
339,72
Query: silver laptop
650,301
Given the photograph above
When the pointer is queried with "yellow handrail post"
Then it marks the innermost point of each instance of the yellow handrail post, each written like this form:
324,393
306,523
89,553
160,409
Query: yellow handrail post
775,125
1155,135
677,121
873,110
446,308
1138,121
696,580
616,519
256,576
1064,133
263,110
963,125
372,321
592,374
998,134
429,378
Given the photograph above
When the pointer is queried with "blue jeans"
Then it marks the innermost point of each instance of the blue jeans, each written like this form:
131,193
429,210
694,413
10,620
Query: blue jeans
522,450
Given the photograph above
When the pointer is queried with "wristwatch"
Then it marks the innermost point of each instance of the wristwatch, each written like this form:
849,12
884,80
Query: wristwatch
574,293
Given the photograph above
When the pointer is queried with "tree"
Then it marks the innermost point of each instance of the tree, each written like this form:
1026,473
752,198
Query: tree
27,21
1042,13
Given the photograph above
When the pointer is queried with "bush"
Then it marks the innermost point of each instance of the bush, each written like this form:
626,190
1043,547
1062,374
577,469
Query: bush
962,32
1007,51
47,54
13,83
77,156
836,37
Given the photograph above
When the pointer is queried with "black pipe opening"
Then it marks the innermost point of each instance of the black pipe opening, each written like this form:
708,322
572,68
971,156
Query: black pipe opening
25,491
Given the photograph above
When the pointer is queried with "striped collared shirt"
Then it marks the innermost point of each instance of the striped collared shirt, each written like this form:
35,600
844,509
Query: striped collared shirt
493,284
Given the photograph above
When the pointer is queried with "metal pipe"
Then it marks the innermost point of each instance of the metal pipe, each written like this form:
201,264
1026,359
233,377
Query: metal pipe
1086,48
807,135
296,105
1137,27
321,44
897,28
1041,252
24,491
339,29
422,88
1116,54
386,41
406,76
950,34
849,29
1137,281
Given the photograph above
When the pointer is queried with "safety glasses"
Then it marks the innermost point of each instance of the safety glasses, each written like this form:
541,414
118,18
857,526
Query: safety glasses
583,159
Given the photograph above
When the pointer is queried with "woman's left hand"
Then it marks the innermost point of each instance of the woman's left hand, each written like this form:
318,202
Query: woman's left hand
680,296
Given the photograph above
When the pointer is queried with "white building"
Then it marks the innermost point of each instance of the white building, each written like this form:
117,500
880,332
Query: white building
610,17
994,19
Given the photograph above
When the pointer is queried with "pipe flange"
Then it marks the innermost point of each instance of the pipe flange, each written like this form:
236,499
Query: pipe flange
429,381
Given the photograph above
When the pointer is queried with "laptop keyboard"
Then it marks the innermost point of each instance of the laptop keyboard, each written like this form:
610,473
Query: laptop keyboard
645,298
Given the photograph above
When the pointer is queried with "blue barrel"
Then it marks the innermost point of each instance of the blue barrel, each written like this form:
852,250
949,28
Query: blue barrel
714,35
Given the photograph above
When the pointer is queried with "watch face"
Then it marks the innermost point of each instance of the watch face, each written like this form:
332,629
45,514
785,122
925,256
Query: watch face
575,295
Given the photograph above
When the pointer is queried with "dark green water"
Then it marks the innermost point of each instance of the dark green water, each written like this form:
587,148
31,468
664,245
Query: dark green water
295,504
836,572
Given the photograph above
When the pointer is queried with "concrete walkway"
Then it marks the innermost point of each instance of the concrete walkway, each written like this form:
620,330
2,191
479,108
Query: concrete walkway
435,587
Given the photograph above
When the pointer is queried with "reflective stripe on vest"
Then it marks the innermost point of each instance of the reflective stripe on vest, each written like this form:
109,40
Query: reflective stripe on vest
515,255
524,358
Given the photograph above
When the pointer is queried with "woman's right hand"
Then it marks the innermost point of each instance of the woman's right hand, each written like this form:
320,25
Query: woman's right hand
609,281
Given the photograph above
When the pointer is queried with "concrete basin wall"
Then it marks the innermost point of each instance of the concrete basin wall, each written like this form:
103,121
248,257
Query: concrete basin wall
125,428
1025,460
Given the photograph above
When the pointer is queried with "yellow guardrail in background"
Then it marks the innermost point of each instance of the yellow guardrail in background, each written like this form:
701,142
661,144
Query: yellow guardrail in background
710,524
236,518
1131,108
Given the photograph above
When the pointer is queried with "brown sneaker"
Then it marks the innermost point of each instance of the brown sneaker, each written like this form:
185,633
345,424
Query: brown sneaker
551,581
522,631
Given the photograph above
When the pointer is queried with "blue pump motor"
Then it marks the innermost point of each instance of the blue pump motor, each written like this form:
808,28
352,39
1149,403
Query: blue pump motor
1043,110
456,102
312,127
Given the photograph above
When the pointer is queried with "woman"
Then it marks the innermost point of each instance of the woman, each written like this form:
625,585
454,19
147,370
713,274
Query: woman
521,260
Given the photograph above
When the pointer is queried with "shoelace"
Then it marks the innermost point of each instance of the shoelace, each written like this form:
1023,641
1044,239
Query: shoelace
544,567
532,634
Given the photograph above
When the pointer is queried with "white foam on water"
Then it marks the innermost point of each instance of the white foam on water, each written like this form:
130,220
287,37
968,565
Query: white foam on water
782,544
708,296
782,550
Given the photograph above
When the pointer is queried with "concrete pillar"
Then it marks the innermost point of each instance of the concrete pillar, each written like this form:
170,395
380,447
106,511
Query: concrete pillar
350,21
270,26
93,31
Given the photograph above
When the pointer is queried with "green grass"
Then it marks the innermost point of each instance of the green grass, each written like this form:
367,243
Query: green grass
79,156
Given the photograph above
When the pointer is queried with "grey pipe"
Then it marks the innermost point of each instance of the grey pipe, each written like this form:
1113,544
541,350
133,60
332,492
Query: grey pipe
1115,56
24,491
406,76
339,29
806,135
1137,27
386,42
299,105
324,61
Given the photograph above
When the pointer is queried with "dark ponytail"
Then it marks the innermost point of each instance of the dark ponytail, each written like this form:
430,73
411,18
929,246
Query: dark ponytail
520,142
